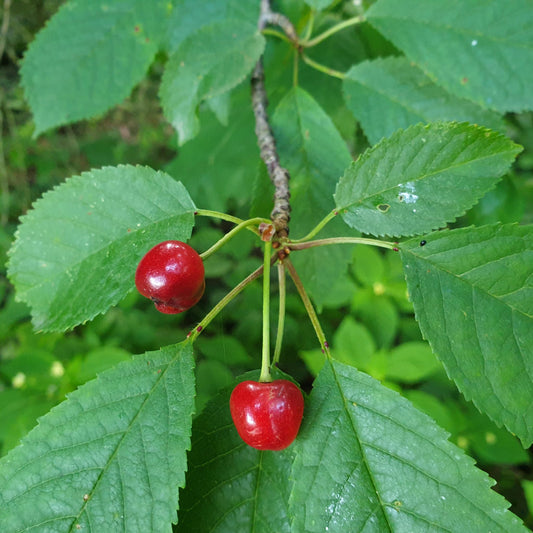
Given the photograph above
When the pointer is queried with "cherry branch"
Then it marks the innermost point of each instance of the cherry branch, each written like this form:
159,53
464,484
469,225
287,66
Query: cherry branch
279,175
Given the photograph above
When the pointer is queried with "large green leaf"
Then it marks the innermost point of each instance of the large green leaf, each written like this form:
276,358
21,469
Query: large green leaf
217,164
392,93
111,457
189,16
229,485
77,250
421,178
89,57
315,155
472,292
482,51
367,460
208,63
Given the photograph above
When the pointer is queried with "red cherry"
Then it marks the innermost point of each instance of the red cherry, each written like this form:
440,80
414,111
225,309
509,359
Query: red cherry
172,275
267,416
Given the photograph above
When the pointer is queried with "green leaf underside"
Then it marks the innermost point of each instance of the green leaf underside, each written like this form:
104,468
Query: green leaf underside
488,50
421,178
77,250
392,93
367,460
472,292
88,58
208,63
315,155
111,457
230,486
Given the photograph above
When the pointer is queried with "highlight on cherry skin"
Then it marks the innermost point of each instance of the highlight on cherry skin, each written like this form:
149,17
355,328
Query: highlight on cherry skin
172,275
267,415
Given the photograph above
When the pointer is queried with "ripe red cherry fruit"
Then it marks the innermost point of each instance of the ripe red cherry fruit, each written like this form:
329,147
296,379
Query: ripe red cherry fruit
267,416
172,275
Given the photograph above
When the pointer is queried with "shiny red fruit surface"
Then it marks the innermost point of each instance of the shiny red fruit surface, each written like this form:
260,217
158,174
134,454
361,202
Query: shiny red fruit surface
267,416
172,275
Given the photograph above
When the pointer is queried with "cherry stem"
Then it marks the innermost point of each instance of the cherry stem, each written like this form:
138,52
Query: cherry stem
228,218
281,315
308,43
323,68
342,240
228,236
265,357
223,302
318,227
308,307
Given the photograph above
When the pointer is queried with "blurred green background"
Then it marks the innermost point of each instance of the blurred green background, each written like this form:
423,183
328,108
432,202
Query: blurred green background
369,310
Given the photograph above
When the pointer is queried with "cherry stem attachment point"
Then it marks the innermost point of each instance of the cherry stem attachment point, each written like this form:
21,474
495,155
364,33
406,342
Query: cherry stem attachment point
223,302
308,307
281,315
265,375
228,236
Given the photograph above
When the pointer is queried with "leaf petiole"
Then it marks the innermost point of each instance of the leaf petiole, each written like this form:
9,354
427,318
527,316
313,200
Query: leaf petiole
228,236
308,43
323,68
342,240
317,228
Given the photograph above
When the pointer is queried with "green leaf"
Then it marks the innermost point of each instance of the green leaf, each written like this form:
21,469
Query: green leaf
208,63
315,155
392,93
216,165
318,4
367,460
476,50
411,362
231,486
76,252
422,177
88,58
111,457
471,289
188,16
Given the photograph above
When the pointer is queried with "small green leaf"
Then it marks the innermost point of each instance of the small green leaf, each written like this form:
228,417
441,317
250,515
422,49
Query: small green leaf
315,155
231,486
76,252
411,362
89,57
367,460
111,457
392,93
476,50
422,177
471,289
208,63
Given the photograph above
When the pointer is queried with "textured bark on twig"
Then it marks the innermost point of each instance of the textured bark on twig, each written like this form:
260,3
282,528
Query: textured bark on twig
279,176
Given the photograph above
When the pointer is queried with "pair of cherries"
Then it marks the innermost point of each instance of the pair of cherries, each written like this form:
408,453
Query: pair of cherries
267,415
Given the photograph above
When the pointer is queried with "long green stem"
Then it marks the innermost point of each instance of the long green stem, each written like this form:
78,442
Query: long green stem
265,355
308,306
216,214
228,236
342,240
223,302
331,31
322,68
317,228
281,315
278,34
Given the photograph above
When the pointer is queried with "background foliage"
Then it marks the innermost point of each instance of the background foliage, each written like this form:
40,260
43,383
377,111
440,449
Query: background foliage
364,302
